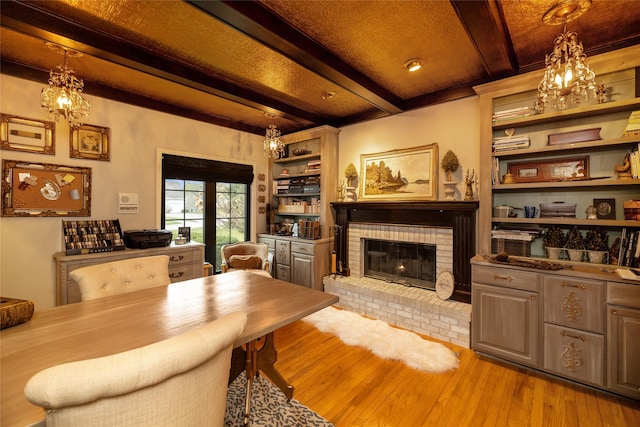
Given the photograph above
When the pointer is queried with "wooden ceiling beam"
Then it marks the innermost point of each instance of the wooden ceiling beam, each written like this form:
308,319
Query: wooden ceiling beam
28,19
484,23
269,29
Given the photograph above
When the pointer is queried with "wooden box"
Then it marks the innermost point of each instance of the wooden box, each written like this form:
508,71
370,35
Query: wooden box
582,135
14,312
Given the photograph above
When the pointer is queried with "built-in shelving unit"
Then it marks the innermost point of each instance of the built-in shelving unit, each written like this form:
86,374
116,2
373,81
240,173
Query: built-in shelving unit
618,71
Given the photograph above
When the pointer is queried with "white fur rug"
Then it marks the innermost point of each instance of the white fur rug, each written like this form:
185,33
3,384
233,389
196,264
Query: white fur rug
385,341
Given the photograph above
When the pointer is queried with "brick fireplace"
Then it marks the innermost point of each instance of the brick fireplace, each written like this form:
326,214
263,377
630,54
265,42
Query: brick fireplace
450,226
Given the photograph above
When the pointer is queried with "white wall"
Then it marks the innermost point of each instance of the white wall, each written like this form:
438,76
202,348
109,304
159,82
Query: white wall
454,126
27,245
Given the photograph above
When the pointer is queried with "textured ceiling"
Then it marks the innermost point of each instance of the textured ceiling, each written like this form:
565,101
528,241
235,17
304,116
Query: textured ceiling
228,63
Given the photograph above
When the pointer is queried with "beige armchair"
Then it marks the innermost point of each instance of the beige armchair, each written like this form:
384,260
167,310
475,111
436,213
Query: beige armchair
245,256
181,381
111,278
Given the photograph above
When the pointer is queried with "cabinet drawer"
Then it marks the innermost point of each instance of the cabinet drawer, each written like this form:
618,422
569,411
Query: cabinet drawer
517,279
574,354
283,272
623,294
282,252
577,303
302,248
182,257
271,243
178,273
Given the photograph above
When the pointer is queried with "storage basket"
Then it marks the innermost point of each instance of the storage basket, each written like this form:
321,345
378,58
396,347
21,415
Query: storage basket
512,247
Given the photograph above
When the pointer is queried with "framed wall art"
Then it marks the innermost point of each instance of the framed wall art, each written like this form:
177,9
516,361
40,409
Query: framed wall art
22,134
405,174
561,169
43,189
89,142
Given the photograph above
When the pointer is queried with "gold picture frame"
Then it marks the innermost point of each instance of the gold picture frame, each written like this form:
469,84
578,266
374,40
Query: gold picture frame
45,190
406,174
28,135
89,142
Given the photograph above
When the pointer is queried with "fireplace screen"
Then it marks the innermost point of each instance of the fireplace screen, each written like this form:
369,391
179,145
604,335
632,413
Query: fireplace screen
412,264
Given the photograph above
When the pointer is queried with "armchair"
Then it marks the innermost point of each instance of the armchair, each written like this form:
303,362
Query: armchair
245,256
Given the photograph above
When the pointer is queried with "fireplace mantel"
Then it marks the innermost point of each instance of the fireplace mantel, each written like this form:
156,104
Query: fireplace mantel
460,216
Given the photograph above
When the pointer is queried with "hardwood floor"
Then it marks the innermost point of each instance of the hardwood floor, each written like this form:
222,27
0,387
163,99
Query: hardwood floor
350,386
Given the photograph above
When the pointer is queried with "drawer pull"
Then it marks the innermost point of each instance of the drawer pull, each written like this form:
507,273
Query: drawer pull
177,258
176,275
614,312
578,337
498,277
532,297
580,286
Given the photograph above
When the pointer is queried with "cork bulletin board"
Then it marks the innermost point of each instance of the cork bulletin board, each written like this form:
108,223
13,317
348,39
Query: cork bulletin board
44,189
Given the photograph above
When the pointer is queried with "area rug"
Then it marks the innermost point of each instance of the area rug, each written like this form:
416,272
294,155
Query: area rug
384,340
269,407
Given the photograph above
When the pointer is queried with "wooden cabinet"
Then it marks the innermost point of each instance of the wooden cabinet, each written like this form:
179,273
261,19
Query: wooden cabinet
623,334
580,323
505,315
185,262
545,177
303,262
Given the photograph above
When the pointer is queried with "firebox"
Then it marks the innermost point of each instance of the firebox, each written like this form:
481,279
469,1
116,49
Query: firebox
410,264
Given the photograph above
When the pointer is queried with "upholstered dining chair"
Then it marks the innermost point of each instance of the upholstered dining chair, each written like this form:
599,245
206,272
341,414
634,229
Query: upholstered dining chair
181,381
111,278
245,256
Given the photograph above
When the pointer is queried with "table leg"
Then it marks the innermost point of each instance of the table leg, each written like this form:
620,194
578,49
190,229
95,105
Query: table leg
251,371
267,356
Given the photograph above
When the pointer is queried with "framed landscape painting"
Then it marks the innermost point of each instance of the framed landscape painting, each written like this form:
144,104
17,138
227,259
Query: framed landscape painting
405,174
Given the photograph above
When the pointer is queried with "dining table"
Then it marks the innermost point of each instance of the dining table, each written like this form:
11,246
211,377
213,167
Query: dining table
122,322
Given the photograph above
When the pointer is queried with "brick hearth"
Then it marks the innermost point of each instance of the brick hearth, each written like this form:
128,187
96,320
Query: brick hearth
415,309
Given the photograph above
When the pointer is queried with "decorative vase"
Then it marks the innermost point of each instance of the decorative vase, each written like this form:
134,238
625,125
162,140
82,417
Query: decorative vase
575,254
450,190
596,257
553,253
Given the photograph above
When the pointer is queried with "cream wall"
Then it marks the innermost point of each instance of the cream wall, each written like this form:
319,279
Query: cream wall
27,270
454,126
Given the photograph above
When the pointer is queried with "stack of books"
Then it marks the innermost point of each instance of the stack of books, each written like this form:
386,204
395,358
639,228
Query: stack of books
313,165
634,161
633,125
505,143
629,255
512,113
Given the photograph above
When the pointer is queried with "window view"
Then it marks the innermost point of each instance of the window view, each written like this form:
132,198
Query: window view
231,215
184,207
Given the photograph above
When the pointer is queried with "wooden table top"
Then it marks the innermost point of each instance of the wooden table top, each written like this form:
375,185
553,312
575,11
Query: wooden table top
122,322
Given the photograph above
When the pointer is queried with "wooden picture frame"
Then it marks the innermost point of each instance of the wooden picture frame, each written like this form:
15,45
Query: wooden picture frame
409,174
45,190
605,208
561,169
28,135
89,142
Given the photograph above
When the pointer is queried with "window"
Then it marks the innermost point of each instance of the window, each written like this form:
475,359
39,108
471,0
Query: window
210,197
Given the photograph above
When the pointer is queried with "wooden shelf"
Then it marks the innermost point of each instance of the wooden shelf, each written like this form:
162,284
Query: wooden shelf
601,144
292,159
574,113
594,182
297,195
568,221
297,175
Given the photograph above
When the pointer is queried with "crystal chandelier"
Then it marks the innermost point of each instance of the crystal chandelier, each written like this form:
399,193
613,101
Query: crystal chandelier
63,97
272,144
567,78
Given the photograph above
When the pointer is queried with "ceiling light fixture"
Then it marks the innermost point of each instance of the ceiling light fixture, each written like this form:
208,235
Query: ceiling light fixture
63,96
567,78
413,65
272,144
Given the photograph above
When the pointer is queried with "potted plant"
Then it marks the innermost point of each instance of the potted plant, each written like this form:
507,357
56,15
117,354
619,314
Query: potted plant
596,242
553,241
575,244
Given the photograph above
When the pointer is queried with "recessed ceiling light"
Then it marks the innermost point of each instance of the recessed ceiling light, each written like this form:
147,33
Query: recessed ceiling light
413,65
328,95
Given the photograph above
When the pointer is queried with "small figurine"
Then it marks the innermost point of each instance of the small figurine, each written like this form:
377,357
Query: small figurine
470,180
591,212
624,170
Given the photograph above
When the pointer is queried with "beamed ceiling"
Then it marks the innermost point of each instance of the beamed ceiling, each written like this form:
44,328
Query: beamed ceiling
229,63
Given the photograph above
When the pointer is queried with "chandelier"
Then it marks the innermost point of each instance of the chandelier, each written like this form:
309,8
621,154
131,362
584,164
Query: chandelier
567,79
272,144
63,97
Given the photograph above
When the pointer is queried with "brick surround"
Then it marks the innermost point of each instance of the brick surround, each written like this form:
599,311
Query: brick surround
415,309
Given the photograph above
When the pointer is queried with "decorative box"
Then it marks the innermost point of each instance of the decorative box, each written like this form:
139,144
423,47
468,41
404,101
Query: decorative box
558,210
631,210
86,237
512,247
583,135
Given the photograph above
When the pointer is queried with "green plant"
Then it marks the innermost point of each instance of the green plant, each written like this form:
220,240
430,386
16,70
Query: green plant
554,237
574,239
596,240
450,163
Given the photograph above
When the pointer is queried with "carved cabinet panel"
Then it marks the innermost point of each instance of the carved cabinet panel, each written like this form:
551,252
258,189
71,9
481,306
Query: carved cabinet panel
574,302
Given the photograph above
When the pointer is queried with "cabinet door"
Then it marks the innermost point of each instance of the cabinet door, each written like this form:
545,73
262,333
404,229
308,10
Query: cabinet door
623,350
283,248
505,323
574,354
302,270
